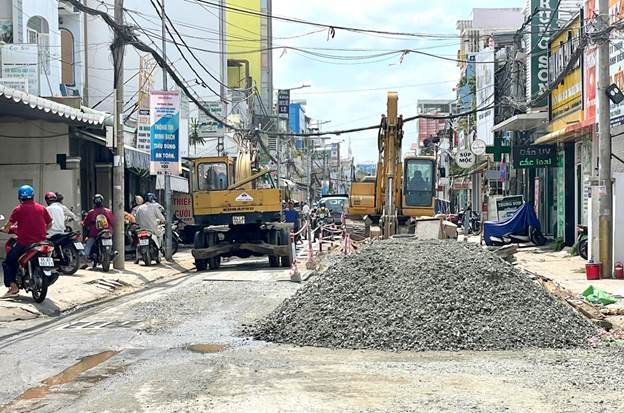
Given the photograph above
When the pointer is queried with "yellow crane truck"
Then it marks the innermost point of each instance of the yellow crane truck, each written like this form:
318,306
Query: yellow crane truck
239,213
403,192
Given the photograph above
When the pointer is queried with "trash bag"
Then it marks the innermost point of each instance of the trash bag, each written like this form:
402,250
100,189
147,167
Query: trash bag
598,296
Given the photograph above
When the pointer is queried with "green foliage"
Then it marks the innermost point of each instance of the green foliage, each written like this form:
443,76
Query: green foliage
559,244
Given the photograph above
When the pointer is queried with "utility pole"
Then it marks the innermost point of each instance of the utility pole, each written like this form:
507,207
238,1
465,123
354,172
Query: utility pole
118,158
605,198
168,194
310,155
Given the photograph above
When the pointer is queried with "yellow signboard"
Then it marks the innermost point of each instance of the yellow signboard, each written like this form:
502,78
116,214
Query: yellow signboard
567,97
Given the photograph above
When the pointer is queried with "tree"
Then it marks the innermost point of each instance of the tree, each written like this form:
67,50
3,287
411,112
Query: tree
194,137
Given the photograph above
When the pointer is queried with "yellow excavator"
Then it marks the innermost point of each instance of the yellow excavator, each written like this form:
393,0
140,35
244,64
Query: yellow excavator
239,210
401,197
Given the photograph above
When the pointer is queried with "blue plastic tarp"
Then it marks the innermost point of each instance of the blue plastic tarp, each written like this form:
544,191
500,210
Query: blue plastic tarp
517,224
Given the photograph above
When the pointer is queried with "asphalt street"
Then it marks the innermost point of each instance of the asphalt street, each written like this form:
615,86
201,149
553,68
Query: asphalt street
178,346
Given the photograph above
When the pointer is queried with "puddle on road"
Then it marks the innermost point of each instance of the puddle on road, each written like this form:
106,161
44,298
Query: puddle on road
206,348
66,376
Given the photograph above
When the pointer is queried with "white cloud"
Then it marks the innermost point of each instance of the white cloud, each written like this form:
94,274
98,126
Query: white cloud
363,108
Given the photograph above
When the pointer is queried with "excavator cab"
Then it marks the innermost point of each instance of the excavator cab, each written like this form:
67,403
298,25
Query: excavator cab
419,186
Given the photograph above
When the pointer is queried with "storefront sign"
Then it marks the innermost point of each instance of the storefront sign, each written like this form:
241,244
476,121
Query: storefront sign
465,159
484,73
505,207
566,97
616,60
21,61
183,207
164,132
535,156
143,130
541,27
283,101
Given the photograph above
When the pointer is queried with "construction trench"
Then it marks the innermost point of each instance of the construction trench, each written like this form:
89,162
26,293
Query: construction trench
414,295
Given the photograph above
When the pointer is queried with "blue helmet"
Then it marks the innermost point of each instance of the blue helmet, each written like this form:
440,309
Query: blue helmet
151,197
25,192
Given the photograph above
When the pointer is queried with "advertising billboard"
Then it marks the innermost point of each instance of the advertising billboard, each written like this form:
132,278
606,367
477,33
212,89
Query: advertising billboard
541,28
164,132
485,95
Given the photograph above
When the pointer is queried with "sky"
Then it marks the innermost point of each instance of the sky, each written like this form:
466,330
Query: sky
352,93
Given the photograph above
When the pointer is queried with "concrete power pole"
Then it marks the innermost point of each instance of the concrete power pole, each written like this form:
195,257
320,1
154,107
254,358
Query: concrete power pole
118,162
168,195
605,198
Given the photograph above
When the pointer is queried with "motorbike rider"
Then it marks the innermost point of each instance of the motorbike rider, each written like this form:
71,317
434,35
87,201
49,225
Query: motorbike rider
56,212
97,219
138,201
323,211
68,212
32,220
149,216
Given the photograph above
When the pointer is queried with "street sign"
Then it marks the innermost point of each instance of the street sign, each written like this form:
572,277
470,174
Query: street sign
535,156
164,132
478,147
505,207
498,149
208,127
283,101
465,159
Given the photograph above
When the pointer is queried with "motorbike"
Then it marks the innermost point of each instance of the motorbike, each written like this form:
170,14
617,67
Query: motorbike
319,221
68,251
176,239
145,246
474,221
522,227
582,241
35,271
102,251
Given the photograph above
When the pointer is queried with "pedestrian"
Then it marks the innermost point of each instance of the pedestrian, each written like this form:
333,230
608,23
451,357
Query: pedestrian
291,216
69,214
31,221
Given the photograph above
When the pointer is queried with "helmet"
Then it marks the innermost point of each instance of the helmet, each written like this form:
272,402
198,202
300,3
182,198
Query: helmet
50,197
322,204
138,200
98,200
59,197
151,197
25,192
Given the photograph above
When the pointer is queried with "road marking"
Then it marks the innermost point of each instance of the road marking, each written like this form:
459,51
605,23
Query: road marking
96,325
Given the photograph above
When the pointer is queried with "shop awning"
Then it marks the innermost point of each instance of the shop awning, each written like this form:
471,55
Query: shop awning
20,104
522,122
566,134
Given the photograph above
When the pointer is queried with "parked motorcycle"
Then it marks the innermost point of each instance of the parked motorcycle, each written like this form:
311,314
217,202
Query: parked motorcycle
68,251
102,251
474,221
176,239
145,246
522,227
582,241
35,271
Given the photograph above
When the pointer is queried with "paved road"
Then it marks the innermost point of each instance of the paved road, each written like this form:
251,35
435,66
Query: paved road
177,346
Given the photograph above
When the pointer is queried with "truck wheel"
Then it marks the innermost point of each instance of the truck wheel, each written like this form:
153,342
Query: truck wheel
214,263
198,242
284,239
273,261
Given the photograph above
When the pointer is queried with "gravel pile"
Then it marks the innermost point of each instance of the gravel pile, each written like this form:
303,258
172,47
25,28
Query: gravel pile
407,294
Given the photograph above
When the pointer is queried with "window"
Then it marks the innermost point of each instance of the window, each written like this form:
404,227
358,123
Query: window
67,58
418,182
212,176
38,32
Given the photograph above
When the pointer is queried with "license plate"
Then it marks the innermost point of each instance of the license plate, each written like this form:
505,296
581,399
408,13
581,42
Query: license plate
46,262
238,219
107,241
144,241
78,245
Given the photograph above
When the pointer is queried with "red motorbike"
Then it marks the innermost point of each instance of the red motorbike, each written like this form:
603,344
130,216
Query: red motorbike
35,267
